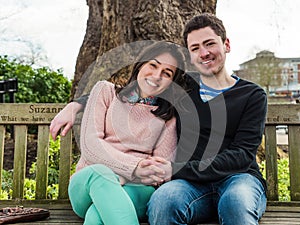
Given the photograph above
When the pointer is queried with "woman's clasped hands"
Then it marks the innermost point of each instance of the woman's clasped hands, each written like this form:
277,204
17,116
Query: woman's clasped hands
153,171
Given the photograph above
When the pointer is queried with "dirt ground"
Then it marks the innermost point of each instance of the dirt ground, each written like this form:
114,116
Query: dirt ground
8,161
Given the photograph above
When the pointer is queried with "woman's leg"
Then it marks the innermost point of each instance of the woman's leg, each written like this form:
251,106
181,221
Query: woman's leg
139,195
99,185
78,193
92,216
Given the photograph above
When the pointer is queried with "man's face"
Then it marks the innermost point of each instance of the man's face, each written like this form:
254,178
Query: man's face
207,51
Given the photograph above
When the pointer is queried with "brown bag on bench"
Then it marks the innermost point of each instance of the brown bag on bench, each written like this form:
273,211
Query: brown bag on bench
20,214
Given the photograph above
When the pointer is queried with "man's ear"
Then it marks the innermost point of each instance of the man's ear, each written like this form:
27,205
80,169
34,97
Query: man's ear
227,45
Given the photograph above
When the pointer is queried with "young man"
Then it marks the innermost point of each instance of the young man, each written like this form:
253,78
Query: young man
221,178
215,175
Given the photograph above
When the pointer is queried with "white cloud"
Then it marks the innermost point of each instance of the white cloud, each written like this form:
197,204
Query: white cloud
57,26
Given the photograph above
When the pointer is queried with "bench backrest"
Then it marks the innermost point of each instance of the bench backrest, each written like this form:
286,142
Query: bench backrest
283,114
22,115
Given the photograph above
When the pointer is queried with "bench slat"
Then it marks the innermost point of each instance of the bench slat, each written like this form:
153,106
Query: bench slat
2,139
65,165
271,162
42,162
294,159
19,160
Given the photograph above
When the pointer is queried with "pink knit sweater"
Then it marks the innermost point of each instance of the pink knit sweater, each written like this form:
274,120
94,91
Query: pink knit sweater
119,134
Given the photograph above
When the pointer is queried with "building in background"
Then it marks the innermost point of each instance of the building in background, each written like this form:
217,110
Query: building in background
280,77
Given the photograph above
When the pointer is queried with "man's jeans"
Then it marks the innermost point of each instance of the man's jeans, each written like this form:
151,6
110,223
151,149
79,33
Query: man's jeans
237,200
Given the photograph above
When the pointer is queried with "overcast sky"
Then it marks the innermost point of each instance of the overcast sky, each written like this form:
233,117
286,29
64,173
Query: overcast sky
58,28
255,25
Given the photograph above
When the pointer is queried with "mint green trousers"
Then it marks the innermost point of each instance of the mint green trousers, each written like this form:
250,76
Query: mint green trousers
96,196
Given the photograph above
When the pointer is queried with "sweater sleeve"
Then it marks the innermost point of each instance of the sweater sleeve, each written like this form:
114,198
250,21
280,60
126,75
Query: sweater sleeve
166,146
82,100
239,155
94,149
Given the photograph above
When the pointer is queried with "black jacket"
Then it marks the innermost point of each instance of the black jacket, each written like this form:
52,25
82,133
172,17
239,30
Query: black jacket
220,137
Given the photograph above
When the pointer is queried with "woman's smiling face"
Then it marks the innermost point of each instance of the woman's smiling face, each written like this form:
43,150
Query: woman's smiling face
156,75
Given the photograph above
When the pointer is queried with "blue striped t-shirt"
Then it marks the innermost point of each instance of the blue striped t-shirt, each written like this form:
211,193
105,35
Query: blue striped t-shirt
208,93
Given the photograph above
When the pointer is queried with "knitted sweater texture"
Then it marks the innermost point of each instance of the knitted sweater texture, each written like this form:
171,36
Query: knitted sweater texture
119,134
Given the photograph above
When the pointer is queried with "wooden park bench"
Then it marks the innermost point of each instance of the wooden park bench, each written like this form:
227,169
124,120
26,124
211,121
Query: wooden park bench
21,115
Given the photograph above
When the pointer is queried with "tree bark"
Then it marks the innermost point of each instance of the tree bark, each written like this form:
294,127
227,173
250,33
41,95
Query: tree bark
113,23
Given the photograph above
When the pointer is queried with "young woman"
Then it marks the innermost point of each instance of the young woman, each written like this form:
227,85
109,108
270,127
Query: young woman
128,136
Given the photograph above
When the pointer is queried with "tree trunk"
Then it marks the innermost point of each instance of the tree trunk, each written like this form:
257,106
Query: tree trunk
113,23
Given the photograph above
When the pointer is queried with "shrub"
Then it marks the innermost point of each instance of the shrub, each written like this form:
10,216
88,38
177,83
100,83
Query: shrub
30,183
283,178
35,85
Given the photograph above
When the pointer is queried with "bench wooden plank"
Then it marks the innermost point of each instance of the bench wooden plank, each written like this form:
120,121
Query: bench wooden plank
271,162
19,160
28,113
65,162
294,162
283,114
42,162
2,139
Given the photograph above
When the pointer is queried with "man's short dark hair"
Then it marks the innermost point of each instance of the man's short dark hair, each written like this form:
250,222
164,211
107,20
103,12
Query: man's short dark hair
202,21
